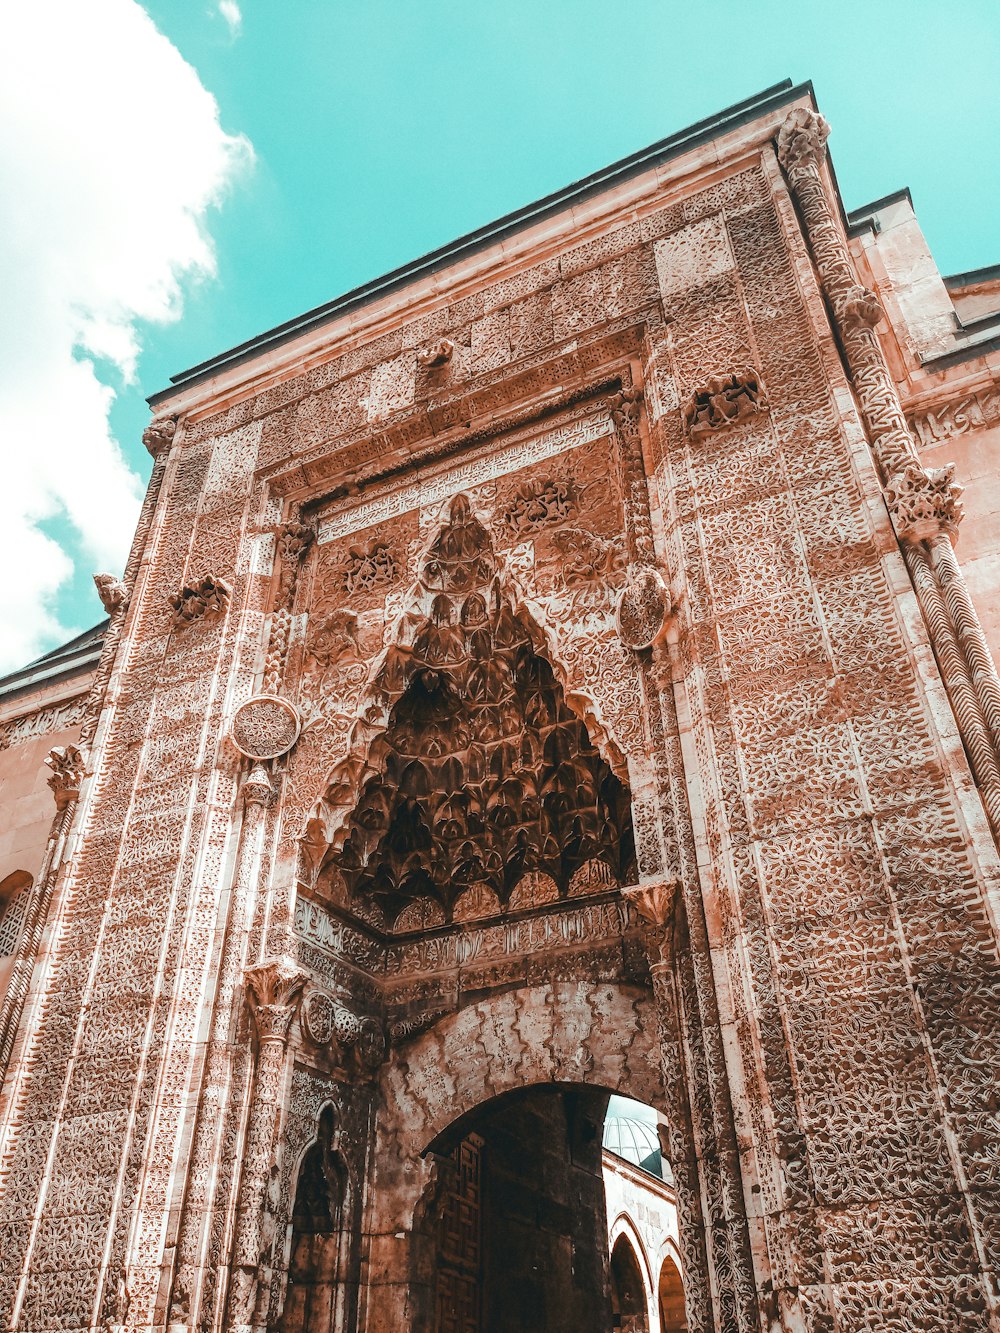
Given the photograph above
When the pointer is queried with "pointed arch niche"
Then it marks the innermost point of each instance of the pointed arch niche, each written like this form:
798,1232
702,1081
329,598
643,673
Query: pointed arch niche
477,782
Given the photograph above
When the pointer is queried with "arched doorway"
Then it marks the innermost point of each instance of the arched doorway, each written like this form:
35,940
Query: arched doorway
628,1291
671,1299
517,1217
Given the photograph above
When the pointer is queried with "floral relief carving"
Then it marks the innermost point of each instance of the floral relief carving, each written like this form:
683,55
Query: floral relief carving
204,598
924,502
368,567
588,558
537,504
724,400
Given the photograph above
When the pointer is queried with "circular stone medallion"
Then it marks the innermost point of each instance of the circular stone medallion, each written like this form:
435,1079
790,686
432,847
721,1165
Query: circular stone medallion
265,727
318,1017
642,607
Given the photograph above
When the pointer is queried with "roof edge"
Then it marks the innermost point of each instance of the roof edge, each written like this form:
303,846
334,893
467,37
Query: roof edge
739,113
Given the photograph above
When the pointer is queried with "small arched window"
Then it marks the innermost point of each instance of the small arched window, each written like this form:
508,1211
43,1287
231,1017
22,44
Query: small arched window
14,894
314,1268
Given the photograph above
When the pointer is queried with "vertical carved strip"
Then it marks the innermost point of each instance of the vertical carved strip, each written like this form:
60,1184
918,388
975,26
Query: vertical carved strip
273,989
956,678
217,1079
923,503
157,438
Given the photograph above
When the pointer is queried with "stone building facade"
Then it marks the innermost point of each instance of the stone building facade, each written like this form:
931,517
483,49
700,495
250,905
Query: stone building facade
547,672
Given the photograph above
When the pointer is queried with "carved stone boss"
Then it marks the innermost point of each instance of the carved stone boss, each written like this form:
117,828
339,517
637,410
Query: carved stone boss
273,991
924,503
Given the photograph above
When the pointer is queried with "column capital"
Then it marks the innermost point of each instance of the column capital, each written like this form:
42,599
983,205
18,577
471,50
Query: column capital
802,140
654,902
67,764
924,502
273,990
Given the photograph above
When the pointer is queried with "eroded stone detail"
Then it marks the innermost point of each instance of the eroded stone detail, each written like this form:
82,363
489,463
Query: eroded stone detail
204,598
724,400
112,592
924,502
435,354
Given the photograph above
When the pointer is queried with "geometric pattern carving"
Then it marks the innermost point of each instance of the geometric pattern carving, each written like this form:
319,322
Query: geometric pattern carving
265,727
484,773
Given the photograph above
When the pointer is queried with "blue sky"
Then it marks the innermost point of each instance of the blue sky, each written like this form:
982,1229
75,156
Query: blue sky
381,129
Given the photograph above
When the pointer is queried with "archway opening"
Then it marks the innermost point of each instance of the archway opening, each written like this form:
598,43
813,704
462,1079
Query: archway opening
519,1220
314,1261
628,1291
673,1318
534,1223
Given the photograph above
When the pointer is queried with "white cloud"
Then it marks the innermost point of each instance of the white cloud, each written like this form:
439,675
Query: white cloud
111,152
230,11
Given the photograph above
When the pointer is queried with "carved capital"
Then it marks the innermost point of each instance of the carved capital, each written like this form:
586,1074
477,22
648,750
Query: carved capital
625,407
436,353
294,540
111,591
802,140
653,902
273,991
924,502
67,764
257,789
159,435
859,308
204,598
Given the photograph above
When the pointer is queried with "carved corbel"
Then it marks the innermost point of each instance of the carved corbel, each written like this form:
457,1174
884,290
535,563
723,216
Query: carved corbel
67,764
357,1041
802,140
159,435
112,592
205,598
435,354
924,502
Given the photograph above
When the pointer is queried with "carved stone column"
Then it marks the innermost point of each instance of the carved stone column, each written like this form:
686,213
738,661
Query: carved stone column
923,503
273,991
221,1072
729,1301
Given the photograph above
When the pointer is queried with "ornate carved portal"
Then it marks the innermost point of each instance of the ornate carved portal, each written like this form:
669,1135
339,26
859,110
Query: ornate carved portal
591,739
